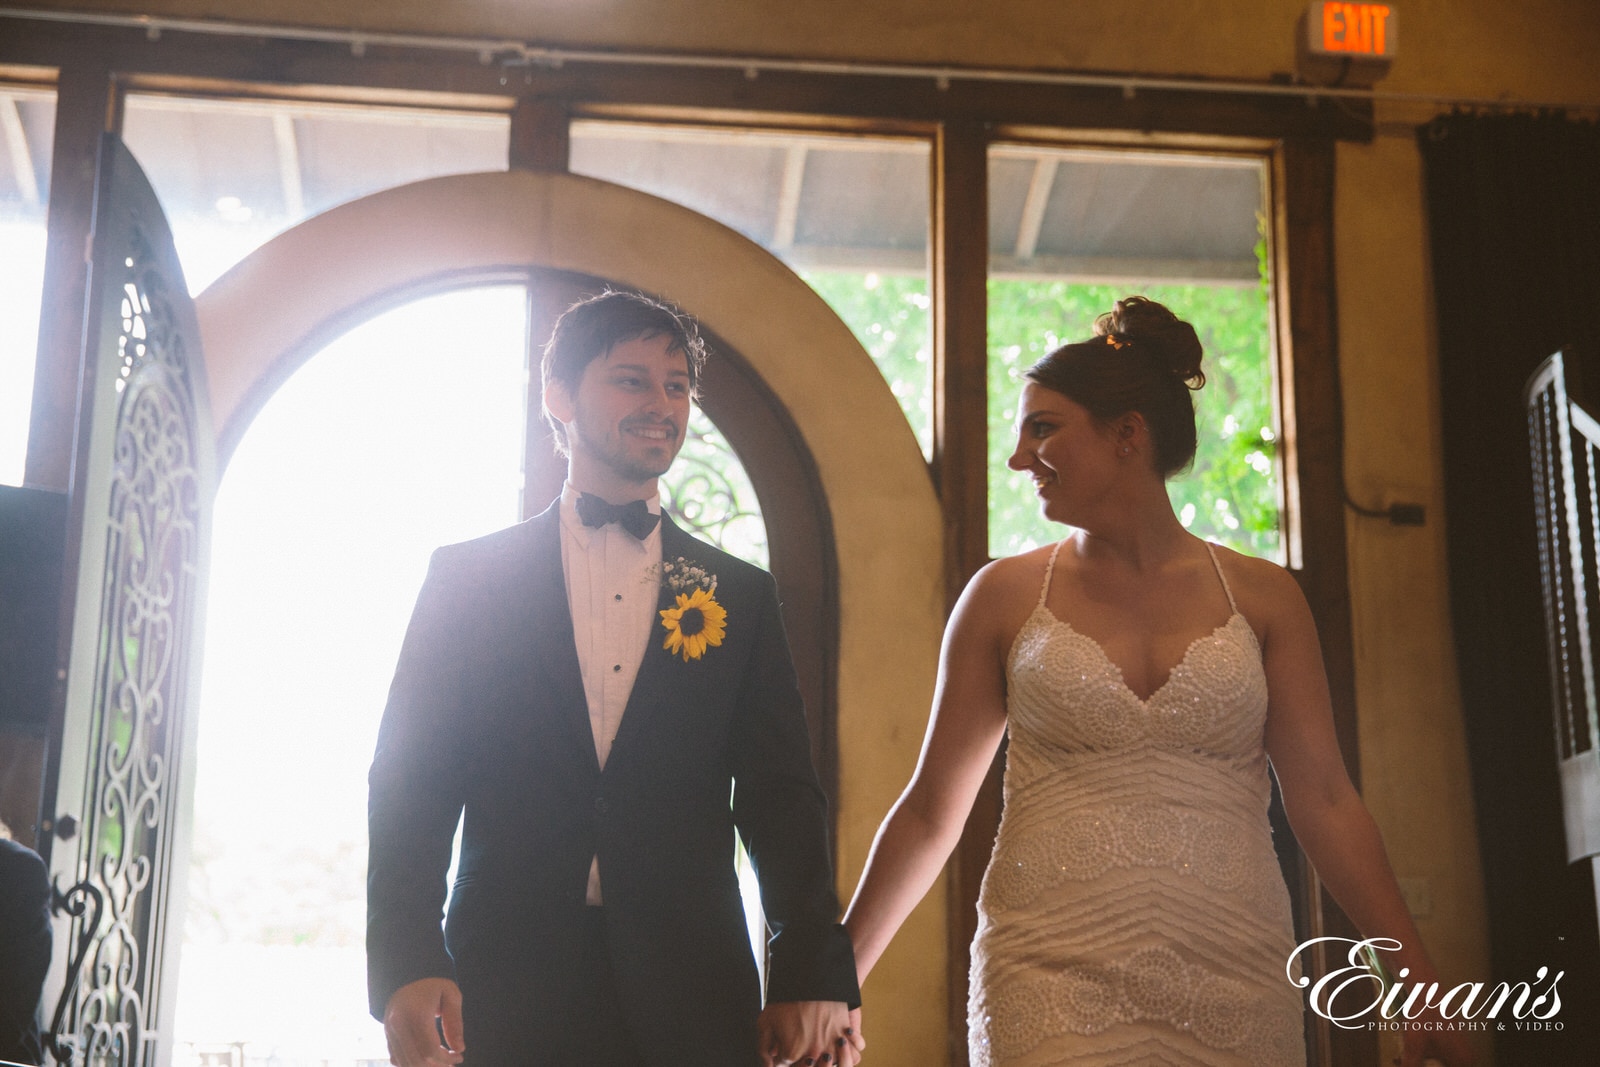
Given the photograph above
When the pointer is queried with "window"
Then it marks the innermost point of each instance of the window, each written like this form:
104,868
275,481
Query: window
849,214
1071,231
27,125
233,174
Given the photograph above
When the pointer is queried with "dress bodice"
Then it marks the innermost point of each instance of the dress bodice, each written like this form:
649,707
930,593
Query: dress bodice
1134,899
1213,705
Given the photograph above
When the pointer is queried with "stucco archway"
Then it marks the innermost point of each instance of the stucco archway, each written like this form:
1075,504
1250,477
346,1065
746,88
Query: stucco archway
273,310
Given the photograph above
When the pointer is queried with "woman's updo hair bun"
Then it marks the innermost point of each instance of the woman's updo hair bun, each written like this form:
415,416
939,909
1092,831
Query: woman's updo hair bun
1143,358
1160,334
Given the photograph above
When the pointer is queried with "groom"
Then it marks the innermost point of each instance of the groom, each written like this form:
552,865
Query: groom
589,687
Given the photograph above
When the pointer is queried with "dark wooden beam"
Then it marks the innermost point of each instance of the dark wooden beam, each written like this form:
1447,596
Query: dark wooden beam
540,137
1317,428
1315,521
84,110
544,468
960,241
689,90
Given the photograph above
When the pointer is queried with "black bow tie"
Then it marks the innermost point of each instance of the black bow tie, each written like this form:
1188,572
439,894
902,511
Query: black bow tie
634,516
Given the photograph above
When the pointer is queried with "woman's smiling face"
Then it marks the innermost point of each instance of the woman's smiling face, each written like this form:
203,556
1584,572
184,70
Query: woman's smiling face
1071,457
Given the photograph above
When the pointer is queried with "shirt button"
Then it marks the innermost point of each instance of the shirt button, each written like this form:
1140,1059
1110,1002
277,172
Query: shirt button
600,805
617,597
616,666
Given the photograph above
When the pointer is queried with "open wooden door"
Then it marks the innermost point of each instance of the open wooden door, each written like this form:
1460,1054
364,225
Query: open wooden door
1565,441
118,781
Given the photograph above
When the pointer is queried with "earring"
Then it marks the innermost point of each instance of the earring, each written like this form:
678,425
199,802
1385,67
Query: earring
1126,450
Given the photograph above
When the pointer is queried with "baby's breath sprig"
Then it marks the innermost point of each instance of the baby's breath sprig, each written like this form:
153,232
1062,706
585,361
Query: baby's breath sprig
683,576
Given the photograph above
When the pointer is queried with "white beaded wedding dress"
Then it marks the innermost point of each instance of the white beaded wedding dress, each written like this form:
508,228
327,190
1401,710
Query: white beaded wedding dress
1133,911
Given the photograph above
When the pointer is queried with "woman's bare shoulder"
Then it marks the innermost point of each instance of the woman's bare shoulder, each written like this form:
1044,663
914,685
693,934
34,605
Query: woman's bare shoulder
1000,596
1265,591
1011,576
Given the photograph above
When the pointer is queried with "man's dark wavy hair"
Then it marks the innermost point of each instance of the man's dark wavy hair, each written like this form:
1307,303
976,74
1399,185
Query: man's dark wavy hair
590,328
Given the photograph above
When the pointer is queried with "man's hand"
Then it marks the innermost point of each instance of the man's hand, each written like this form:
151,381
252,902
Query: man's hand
412,1021
810,1033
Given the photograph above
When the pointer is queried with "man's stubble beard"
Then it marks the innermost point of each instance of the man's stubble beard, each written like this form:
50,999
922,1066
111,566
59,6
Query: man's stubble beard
625,466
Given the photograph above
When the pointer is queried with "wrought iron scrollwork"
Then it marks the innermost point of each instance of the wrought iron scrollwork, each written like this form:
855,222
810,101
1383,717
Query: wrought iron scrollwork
73,902
708,493
107,1012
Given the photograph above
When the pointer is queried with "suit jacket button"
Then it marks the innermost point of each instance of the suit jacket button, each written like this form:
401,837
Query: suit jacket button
601,806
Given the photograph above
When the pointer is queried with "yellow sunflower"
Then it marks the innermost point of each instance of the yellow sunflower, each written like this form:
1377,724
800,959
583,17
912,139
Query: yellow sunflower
697,622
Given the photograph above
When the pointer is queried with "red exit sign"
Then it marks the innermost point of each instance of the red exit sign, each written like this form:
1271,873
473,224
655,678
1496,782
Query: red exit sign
1351,30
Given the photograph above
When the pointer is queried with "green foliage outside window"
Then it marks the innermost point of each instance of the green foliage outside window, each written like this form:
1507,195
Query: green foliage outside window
1231,493
889,315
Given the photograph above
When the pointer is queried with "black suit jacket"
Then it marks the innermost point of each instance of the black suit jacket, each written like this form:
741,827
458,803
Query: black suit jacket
487,715
24,949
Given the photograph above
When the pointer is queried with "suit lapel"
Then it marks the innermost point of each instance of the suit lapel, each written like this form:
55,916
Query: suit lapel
552,649
656,683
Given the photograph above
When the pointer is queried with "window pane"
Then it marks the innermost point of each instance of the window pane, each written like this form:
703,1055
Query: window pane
233,174
850,214
708,493
27,125
1072,232
889,316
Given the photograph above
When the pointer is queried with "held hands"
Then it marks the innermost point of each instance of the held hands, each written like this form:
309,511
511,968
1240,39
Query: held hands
412,1021
810,1033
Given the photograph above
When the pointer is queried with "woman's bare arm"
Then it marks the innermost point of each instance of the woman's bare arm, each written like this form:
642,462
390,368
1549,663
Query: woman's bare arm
964,731
1330,820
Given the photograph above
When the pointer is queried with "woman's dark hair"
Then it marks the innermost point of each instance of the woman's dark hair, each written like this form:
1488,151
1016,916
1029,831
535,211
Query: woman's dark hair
1143,358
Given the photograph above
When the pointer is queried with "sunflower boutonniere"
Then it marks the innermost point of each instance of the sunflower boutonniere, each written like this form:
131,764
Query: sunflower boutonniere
696,622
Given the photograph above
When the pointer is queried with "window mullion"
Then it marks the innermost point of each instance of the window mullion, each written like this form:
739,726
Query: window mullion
960,305
84,93
960,249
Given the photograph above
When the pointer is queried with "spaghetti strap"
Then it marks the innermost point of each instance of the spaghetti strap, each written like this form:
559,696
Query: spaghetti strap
1212,552
1049,569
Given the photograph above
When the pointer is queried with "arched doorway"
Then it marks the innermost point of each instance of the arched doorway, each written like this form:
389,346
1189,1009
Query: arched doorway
799,377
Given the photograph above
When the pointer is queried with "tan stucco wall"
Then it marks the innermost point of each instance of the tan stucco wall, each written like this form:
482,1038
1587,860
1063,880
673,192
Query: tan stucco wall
1412,745
1537,48
1415,776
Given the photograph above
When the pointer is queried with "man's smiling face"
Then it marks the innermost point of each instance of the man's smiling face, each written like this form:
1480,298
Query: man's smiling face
627,418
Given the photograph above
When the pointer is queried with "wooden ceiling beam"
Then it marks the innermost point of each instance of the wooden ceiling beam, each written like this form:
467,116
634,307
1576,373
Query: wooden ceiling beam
289,173
1033,205
17,150
875,97
788,213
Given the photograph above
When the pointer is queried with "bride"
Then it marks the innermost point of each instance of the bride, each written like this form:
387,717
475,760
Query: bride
1133,910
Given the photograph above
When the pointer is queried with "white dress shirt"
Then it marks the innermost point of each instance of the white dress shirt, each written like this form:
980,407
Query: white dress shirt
613,585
